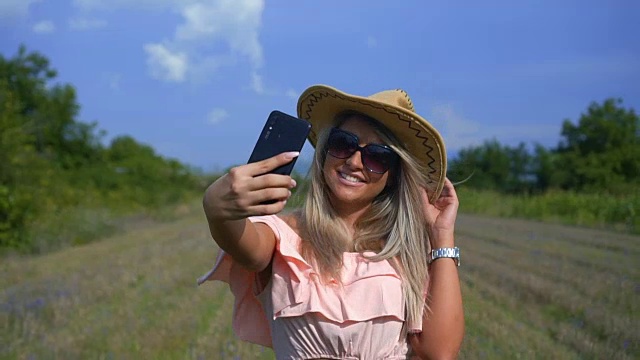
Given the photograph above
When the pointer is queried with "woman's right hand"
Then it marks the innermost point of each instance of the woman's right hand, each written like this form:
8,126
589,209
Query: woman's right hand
244,191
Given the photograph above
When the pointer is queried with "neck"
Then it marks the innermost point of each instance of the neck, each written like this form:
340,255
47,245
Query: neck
350,213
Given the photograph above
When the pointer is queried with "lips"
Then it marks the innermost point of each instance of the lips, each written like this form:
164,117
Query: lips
349,178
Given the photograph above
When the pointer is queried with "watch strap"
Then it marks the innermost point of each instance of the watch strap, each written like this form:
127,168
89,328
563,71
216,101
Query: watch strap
452,253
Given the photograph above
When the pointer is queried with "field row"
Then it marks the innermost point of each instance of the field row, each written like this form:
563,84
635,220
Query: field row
531,290
566,292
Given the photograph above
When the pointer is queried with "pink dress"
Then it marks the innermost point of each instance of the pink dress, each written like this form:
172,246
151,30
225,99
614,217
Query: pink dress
300,318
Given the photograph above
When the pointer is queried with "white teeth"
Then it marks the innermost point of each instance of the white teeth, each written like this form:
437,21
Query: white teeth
349,177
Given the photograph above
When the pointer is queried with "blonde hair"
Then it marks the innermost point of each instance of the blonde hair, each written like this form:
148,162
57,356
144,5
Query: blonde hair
394,227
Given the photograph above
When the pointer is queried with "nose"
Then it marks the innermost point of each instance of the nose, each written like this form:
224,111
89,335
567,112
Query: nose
355,160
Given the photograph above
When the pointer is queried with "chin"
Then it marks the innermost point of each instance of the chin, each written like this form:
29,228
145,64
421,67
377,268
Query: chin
351,195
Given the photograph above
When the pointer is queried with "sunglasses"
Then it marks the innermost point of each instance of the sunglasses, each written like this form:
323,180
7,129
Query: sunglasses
375,157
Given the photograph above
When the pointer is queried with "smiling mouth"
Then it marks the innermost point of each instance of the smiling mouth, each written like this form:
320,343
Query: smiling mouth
349,178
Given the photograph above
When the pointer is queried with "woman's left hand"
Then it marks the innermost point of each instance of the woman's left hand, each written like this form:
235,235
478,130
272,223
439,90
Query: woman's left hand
441,215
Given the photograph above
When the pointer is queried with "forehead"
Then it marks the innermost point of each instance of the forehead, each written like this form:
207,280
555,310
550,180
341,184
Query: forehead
363,129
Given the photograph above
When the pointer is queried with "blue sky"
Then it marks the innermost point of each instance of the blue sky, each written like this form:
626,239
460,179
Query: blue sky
196,79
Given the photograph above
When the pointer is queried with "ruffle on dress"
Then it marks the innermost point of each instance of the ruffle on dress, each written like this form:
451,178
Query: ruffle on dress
369,289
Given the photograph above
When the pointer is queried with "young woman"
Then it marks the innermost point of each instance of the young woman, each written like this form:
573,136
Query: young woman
367,269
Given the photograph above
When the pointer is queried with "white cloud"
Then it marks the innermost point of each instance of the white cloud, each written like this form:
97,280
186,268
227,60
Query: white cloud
201,69
113,80
12,9
44,27
291,94
127,4
86,24
165,64
212,34
371,42
460,132
216,115
256,83
235,22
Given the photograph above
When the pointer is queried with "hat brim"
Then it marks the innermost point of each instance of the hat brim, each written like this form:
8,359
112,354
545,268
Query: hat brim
320,104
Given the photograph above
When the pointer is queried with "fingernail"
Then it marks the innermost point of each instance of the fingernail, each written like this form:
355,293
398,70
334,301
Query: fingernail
293,183
291,155
289,194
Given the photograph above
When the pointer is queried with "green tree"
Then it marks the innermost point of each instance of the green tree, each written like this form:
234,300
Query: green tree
543,168
23,174
601,151
153,178
48,111
495,167
52,164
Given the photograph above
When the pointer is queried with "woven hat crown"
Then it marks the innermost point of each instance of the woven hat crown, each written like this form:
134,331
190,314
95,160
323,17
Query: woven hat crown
397,97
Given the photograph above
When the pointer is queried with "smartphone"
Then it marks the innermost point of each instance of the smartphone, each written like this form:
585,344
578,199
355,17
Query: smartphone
281,133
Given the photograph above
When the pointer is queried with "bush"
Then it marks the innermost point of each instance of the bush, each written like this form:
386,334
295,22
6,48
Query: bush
593,210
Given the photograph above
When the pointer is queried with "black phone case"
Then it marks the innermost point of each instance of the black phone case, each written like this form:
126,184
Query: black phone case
281,133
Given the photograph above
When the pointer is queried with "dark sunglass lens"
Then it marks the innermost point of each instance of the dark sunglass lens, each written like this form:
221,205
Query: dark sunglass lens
378,159
341,145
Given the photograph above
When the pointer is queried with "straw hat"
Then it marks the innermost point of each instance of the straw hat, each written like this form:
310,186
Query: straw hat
319,104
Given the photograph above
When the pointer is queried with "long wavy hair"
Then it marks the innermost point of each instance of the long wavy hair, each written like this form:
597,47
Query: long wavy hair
394,226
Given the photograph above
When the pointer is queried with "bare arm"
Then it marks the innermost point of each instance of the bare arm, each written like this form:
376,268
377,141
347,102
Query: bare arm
443,325
239,194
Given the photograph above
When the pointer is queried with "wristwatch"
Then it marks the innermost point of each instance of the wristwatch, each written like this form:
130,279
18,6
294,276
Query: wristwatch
453,253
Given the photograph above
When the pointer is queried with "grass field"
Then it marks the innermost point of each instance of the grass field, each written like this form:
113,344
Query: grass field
531,291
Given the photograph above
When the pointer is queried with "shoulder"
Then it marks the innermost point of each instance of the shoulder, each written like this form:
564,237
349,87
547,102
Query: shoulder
283,225
291,219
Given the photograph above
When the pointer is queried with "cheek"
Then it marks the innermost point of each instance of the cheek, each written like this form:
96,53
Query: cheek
329,163
383,182
326,168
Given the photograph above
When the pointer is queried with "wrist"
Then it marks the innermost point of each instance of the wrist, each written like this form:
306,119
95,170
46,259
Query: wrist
210,212
442,241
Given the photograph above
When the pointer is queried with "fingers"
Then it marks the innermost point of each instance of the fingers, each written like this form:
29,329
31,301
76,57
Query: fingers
266,201
447,196
448,190
271,181
266,165
266,209
248,192
270,194
245,191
